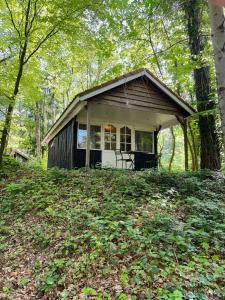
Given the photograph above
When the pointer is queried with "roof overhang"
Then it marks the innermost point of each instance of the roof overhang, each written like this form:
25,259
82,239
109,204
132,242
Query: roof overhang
74,109
81,99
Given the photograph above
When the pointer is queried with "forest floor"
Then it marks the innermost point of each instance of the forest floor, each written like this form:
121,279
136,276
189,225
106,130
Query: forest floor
101,234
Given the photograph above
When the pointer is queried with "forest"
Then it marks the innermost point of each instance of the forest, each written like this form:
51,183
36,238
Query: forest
105,233
50,52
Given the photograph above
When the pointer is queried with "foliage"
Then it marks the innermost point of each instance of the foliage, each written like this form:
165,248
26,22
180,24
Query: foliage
112,234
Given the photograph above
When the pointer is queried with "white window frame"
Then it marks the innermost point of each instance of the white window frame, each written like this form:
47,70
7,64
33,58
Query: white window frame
103,134
83,148
153,140
131,136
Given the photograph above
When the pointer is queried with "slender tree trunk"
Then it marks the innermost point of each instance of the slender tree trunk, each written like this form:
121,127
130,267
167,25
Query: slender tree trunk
38,130
218,38
210,151
184,128
192,155
173,148
160,155
11,106
194,149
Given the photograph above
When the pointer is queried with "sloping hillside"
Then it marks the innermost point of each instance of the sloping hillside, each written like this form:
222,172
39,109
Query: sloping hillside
111,235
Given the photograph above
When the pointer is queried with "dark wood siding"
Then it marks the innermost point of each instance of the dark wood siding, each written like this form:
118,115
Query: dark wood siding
80,156
63,152
140,94
60,148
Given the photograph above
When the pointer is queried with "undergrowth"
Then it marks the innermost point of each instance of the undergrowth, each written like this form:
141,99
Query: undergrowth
104,234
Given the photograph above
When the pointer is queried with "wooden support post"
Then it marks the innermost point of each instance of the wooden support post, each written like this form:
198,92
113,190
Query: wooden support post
87,161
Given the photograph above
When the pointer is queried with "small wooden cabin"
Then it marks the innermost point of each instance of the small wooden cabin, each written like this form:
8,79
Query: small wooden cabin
123,115
18,155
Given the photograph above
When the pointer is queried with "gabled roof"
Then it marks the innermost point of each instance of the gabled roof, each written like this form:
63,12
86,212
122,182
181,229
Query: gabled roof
80,99
18,151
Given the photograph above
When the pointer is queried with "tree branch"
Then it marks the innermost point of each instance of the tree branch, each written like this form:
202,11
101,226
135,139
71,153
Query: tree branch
12,19
153,48
48,36
166,49
4,59
26,32
34,16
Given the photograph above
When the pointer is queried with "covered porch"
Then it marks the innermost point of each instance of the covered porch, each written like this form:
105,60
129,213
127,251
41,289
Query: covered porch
118,135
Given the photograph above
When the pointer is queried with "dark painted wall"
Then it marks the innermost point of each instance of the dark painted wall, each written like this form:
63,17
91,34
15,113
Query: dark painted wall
60,149
63,152
80,156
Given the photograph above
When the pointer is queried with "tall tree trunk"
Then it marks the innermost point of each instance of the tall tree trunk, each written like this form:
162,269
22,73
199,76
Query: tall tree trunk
11,106
173,148
38,130
218,38
210,151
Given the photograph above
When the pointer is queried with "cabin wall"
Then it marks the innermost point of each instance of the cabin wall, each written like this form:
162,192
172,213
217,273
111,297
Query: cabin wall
60,148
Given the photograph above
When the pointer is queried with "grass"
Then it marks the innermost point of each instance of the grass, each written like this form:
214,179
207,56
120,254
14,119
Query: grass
97,234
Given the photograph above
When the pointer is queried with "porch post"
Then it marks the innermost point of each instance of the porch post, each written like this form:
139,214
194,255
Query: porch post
87,161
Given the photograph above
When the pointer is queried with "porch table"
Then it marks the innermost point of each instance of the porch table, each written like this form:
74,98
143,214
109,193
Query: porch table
142,160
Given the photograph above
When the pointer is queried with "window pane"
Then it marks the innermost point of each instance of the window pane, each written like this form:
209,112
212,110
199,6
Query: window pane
144,141
122,138
110,137
113,129
128,138
107,137
107,128
107,146
128,146
122,130
95,136
97,145
113,137
128,130
82,136
122,147
113,146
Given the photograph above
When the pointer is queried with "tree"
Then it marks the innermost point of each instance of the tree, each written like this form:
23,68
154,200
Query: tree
32,23
173,148
218,38
210,151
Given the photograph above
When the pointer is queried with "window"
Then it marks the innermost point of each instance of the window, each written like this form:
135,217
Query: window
95,136
110,137
82,136
125,139
144,141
